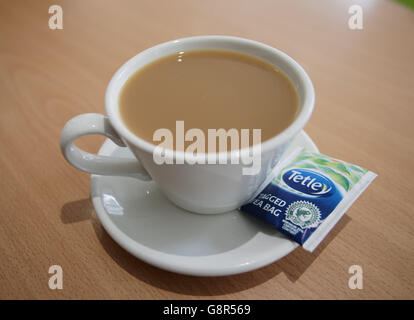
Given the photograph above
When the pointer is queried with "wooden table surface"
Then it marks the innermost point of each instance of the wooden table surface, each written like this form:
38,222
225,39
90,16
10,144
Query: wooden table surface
364,114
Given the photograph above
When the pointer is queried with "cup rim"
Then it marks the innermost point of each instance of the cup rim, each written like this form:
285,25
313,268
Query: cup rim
305,108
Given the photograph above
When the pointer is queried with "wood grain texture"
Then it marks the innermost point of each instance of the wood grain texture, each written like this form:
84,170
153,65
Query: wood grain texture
364,114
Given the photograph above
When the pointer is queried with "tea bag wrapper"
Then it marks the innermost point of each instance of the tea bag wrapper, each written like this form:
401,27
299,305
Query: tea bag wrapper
307,194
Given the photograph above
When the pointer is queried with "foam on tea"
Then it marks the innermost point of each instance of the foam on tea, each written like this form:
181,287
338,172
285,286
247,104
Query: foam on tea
208,89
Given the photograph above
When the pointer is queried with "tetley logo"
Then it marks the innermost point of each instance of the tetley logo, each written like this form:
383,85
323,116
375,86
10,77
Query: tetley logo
308,182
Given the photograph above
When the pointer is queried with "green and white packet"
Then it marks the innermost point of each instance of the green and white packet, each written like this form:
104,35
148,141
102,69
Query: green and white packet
307,193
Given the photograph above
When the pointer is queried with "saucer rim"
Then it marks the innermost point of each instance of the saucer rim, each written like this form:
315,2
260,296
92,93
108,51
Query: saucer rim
194,266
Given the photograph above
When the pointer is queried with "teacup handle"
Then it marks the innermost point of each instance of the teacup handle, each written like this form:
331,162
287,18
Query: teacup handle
94,123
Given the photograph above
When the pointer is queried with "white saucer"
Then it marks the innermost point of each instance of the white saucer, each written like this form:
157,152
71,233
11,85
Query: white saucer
143,222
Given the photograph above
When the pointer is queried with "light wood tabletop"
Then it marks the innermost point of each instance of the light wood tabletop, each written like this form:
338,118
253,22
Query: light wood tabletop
364,114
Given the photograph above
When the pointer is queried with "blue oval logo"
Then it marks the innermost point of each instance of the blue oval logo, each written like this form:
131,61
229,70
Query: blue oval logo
309,182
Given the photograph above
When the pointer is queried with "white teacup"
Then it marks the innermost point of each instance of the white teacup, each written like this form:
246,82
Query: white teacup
201,188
